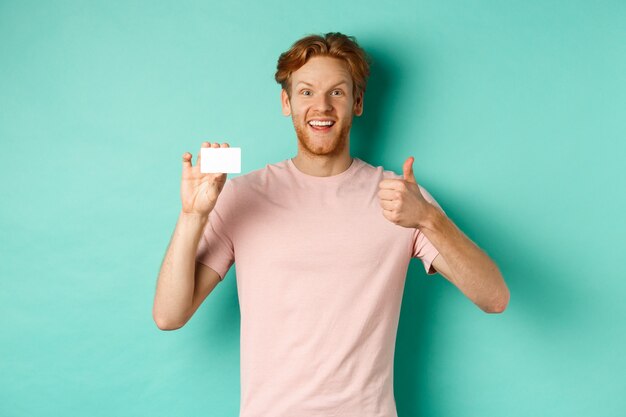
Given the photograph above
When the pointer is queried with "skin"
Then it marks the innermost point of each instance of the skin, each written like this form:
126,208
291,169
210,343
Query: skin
326,94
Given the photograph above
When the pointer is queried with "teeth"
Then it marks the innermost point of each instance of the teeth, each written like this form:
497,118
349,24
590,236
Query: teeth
321,123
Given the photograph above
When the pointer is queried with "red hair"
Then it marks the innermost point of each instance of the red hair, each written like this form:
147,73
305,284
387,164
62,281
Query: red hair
333,44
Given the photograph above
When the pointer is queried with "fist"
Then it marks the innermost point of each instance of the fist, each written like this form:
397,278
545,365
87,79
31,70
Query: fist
401,200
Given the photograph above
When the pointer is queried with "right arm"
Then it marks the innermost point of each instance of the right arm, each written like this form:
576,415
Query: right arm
183,283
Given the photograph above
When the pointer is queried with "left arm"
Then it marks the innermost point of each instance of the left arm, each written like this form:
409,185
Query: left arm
464,264
460,261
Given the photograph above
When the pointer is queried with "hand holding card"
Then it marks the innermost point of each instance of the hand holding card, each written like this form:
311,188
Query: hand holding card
200,188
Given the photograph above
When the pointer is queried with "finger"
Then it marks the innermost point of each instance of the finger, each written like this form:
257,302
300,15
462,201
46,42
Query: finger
385,194
204,145
391,184
215,145
388,214
388,205
186,160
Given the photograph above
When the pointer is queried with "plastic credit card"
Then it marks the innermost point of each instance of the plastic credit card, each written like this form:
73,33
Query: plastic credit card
220,160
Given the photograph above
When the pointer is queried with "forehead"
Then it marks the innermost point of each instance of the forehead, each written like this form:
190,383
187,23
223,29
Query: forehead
322,70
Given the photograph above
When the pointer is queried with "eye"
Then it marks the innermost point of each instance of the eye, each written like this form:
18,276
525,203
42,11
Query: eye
304,92
338,91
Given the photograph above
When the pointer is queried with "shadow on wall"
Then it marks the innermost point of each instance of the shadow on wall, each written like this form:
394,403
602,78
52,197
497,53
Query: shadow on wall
386,87
368,129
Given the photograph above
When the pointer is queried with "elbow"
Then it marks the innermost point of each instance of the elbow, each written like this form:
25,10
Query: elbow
500,304
164,323
496,308
167,326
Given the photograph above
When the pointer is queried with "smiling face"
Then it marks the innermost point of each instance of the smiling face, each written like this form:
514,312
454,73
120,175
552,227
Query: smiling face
322,105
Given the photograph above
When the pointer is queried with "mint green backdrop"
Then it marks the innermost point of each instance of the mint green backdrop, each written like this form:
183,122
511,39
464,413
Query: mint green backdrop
515,112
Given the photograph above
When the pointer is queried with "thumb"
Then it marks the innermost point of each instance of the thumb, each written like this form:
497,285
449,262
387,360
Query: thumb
407,169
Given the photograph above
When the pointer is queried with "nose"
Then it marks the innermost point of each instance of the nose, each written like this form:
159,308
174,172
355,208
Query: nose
323,103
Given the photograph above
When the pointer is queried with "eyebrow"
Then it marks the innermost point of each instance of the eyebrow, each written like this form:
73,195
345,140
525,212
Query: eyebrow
311,85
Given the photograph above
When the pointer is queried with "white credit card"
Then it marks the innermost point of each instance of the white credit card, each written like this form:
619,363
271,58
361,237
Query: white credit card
220,160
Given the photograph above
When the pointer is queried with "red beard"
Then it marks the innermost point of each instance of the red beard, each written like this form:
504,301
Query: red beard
331,144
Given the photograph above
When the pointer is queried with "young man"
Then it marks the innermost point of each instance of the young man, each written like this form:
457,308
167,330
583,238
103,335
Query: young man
322,243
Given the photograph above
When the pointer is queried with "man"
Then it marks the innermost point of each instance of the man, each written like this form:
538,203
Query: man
322,243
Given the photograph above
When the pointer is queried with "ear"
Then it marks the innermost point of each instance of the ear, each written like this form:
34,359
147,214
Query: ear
284,100
358,105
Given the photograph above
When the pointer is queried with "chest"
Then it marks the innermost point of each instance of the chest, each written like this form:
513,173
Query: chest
317,234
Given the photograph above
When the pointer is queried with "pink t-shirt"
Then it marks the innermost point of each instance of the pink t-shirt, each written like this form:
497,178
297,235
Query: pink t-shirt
320,274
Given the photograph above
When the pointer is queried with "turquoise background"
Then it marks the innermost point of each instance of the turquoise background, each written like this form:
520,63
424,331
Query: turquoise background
515,112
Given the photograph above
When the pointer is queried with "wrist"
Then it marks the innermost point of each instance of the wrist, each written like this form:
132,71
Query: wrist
431,219
193,218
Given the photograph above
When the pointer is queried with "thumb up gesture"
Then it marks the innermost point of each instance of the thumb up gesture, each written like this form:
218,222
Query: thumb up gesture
402,202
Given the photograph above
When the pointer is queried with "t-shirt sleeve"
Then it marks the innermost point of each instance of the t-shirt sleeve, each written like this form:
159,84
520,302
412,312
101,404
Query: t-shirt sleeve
422,247
216,249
